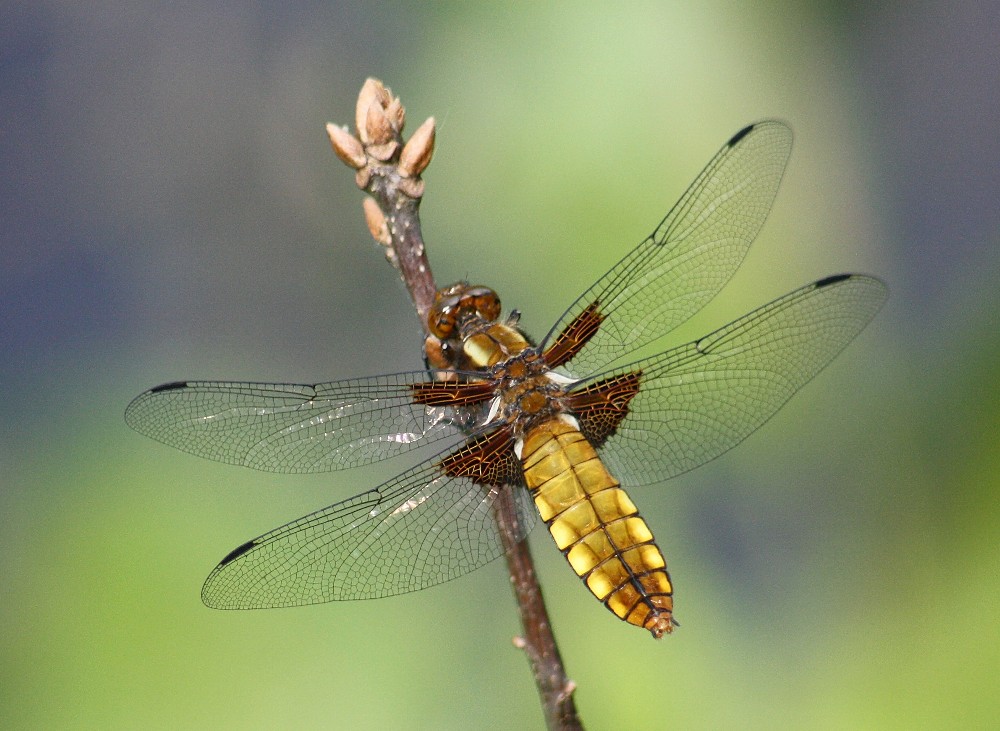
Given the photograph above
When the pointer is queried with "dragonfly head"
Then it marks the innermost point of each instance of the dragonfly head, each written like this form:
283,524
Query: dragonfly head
458,303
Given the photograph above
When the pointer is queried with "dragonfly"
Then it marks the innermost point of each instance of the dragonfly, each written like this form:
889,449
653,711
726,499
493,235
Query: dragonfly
567,426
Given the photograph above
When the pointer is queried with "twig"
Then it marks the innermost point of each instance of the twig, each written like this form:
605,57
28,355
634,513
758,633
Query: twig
389,171
538,642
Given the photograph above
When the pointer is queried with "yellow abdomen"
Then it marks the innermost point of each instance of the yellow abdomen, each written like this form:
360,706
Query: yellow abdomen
597,527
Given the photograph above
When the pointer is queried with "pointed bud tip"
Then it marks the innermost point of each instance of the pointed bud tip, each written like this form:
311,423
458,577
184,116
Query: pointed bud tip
371,91
347,146
418,151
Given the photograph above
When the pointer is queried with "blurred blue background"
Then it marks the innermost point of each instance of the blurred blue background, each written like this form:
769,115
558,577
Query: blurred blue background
171,209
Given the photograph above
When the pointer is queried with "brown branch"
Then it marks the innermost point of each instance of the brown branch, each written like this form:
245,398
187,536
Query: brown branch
538,642
389,171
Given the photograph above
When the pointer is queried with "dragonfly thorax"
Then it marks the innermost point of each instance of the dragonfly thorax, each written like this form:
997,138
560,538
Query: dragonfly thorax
527,392
493,344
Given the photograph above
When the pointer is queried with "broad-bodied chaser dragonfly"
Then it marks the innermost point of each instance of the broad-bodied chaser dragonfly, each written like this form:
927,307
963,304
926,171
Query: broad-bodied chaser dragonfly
562,423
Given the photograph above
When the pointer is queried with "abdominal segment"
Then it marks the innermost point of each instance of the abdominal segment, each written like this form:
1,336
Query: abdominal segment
596,526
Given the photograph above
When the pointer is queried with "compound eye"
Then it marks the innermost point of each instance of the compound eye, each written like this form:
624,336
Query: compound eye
441,321
485,302
488,306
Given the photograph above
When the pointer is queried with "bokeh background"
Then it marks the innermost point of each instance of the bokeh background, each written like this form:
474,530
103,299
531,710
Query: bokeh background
171,209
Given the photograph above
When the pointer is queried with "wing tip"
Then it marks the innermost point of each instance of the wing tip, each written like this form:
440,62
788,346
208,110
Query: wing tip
172,386
734,140
237,552
777,127
832,279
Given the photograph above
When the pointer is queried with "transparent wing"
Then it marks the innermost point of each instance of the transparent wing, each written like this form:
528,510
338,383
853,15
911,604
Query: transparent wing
280,427
701,399
694,251
421,528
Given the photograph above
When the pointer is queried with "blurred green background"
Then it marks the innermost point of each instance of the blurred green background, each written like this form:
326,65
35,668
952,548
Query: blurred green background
171,209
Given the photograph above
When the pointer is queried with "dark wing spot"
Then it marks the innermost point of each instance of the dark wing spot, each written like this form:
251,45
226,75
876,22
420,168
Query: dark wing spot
833,279
236,553
602,406
486,460
172,386
740,135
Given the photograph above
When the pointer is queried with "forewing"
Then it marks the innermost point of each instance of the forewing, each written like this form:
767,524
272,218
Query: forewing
697,401
280,427
694,251
422,528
